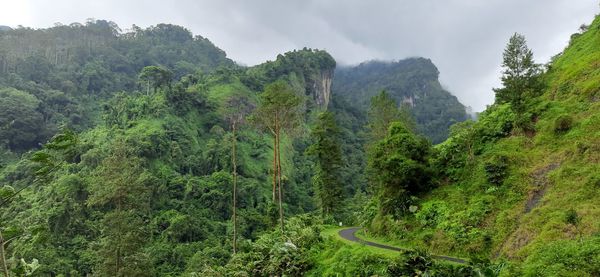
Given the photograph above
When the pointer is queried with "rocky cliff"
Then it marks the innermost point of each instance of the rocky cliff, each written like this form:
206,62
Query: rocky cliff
321,87
309,71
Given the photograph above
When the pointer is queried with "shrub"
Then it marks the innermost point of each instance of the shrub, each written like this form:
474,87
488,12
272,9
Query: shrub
563,123
433,213
571,217
524,123
594,181
496,169
412,263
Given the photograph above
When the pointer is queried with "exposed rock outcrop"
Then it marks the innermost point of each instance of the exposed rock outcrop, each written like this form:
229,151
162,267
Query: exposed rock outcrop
321,87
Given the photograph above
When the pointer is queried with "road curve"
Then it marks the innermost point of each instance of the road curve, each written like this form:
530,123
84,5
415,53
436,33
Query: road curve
350,234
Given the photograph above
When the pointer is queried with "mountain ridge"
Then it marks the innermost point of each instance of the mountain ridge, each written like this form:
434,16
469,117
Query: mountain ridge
412,81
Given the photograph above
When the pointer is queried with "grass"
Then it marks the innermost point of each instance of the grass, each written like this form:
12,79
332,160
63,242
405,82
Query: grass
469,216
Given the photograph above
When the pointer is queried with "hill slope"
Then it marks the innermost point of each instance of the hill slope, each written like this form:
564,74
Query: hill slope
411,81
529,198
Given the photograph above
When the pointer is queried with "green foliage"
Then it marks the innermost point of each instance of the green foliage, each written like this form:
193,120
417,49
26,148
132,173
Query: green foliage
468,139
155,77
147,191
269,256
69,69
120,189
328,156
279,108
412,83
399,168
571,217
382,112
496,169
527,199
20,121
520,78
563,124
339,259
565,258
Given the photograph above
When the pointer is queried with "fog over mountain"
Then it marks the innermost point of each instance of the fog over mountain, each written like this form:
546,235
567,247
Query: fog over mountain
462,37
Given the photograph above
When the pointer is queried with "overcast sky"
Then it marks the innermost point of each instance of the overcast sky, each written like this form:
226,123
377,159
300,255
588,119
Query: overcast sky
464,38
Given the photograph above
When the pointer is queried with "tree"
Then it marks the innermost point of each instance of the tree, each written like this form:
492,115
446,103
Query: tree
278,112
236,110
383,111
328,155
155,77
20,120
119,188
3,255
520,75
398,167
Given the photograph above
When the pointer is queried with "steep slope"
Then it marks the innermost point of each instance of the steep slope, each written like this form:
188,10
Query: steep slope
531,198
411,81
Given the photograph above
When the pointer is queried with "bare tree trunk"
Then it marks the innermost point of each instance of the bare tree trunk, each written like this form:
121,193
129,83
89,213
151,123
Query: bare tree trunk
119,241
118,261
234,162
3,256
275,158
279,181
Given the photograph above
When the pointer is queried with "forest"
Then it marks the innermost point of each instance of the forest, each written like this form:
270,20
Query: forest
148,152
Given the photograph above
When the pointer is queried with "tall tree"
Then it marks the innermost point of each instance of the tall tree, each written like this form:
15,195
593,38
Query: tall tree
383,111
328,155
236,110
278,112
3,256
155,77
119,188
520,75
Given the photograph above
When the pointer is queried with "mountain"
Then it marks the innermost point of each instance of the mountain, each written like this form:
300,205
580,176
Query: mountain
5,28
119,152
411,81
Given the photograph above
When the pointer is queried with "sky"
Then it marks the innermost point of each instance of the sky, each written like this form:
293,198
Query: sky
464,38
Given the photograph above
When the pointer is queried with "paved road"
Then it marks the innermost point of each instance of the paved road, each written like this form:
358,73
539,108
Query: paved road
350,234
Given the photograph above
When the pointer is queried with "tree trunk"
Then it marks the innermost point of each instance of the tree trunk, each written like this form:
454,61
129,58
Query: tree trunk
118,261
3,256
275,159
119,241
279,181
233,160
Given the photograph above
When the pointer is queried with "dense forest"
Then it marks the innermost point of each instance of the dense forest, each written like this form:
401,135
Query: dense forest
148,152
412,82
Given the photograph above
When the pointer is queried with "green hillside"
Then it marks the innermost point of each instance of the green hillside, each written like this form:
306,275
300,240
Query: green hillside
412,82
525,197
68,71
149,153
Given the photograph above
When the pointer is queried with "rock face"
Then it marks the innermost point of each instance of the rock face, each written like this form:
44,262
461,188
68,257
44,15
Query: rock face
321,87
413,82
309,71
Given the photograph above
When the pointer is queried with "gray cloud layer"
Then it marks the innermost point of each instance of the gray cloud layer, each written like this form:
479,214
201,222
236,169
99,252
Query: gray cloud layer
464,38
